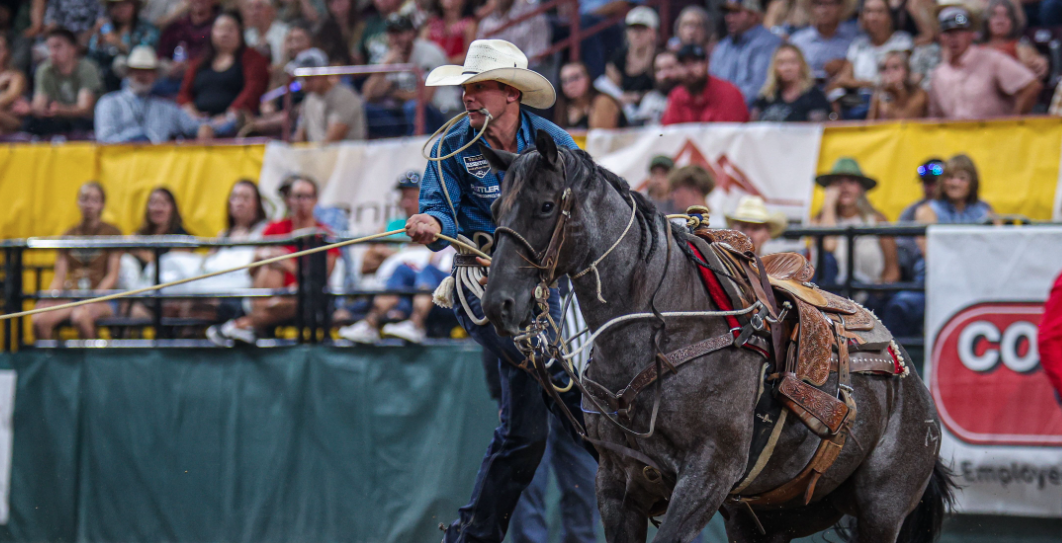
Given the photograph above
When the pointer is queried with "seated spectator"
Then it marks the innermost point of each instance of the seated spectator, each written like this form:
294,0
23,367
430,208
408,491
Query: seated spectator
272,113
13,106
631,67
690,186
896,96
226,82
667,74
657,188
958,201
82,269
846,204
784,17
859,74
532,36
692,27
339,33
134,115
825,43
267,312
76,16
929,174
581,106
752,218
1004,32
1001,84
790,94
412,267
264,32
65,88
702,98
393,97
162,217
184,40
331,110
742,57
452,27
375,42
116,36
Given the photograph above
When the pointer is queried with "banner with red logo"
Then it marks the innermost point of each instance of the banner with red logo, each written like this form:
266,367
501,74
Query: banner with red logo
774,161
1002,419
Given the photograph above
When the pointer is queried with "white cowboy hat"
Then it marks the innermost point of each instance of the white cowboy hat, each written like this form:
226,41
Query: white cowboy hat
142,57
501,61
752,209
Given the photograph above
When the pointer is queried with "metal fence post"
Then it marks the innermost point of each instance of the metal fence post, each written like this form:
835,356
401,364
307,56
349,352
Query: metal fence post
849,234
156,316
300,301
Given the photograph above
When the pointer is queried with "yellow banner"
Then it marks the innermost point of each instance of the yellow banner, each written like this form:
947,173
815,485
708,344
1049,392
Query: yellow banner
1018,160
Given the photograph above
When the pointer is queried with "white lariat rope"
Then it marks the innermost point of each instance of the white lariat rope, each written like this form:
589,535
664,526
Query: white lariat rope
468,276
593,265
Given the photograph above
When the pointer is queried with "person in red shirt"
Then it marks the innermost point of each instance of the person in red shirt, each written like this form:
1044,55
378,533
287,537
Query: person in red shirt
1049,341
702,98
265,312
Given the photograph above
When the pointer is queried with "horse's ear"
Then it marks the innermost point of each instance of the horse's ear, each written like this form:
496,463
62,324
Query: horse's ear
547,148
499,160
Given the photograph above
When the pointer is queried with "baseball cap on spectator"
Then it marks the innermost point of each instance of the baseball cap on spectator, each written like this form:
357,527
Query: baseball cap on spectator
661,161
408,180
399,23
310,58
956,16
691,51
643,15
747,5
931,170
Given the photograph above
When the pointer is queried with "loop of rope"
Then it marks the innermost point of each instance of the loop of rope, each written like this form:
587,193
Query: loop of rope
230,270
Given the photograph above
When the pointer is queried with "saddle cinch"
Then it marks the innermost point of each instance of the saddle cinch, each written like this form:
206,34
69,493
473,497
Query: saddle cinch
816,334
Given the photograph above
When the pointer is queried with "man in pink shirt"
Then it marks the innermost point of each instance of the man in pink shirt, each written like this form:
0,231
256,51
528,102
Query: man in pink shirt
702,98
977,82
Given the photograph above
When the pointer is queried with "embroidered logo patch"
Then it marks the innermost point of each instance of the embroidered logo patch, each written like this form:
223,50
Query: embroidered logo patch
477,166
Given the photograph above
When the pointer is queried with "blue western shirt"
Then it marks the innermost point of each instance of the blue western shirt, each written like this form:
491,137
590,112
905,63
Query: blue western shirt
471,184
744,60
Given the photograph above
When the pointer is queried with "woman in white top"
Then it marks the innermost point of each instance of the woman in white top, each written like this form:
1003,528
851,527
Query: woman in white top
867,51
846,205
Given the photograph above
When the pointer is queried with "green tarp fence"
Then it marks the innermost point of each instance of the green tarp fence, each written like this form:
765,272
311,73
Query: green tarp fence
245,445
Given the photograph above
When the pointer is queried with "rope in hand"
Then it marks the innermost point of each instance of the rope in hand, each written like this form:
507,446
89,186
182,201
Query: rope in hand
252,265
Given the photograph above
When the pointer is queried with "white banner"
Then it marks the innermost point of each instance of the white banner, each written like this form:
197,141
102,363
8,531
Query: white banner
8,379
360,176
985,290
775,161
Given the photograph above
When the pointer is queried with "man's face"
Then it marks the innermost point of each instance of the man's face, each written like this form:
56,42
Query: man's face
685,196
956,42
402,41
311,84
691,29
143,78
259,12
658,178
758,233
929,188
296,42
696,71
739,21
60,51
667,72
826,12
493,96
302,199
409,200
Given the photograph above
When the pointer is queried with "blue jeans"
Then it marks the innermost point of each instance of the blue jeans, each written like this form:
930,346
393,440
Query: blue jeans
575,471
905,313
519,441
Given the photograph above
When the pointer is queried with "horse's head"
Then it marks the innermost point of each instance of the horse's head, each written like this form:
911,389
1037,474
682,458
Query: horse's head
534,214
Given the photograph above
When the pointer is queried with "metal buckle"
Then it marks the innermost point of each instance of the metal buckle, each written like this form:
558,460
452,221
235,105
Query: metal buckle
651,474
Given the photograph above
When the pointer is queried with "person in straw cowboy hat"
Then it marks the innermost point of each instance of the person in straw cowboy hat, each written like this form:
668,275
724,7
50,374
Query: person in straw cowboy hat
133,114
751,218
457,190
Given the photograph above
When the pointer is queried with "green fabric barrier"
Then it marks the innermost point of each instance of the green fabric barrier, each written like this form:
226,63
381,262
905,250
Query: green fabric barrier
302,444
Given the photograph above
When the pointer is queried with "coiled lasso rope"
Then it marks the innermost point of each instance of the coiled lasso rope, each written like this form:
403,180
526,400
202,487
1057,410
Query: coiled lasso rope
463,245
444,294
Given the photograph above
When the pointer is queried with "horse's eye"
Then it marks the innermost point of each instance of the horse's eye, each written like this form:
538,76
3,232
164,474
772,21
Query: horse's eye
547,207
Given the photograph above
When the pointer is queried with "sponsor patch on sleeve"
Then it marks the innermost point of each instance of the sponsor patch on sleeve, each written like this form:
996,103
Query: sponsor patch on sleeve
477,165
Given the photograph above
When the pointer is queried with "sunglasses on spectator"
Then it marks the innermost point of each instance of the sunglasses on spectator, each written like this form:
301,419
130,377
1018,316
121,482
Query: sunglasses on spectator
932,168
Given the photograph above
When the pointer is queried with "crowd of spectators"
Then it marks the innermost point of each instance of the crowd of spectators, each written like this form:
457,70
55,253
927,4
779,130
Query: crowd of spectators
113,69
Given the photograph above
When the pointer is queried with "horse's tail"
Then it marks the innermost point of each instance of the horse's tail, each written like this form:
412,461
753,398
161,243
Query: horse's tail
924,523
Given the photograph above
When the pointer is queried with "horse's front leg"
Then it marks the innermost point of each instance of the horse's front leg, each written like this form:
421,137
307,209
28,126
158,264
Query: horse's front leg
624,520
700,490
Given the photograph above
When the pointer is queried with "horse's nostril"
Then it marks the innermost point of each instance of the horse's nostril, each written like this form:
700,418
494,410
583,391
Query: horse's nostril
507,307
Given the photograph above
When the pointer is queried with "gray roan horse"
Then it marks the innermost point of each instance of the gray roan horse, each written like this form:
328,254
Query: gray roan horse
888,478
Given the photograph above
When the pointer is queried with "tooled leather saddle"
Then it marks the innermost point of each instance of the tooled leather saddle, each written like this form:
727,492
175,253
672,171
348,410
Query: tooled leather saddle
814,335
